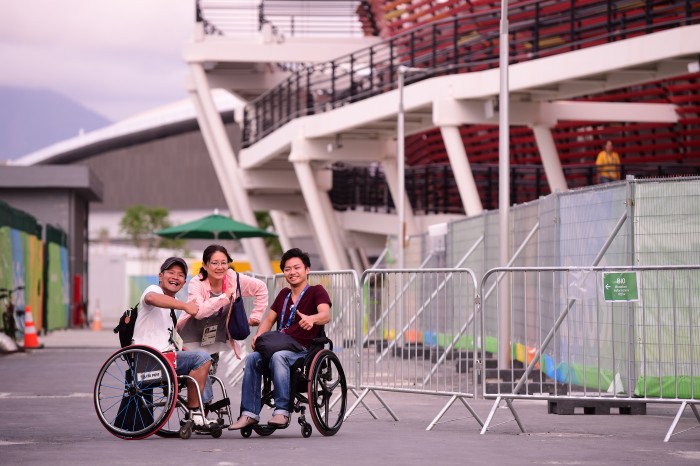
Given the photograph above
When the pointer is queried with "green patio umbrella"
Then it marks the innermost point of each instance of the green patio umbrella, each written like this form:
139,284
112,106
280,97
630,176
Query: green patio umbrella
214,226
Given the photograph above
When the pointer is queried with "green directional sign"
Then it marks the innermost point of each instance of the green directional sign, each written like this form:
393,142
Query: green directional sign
620,286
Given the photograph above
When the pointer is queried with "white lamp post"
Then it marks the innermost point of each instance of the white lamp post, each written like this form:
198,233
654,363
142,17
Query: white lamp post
401,171
504,189
401,163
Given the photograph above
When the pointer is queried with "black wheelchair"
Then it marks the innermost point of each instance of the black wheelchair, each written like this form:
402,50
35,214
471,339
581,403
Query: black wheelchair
137,394
315,381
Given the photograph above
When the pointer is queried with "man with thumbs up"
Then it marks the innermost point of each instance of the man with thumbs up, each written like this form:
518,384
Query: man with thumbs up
300,311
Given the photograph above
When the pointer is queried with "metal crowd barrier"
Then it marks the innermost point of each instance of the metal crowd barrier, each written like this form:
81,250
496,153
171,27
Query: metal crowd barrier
342,287
623,335
417,335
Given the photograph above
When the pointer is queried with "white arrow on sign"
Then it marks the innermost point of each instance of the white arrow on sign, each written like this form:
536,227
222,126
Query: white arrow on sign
607,287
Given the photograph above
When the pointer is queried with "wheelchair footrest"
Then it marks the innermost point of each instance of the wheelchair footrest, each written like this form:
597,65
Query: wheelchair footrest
218,405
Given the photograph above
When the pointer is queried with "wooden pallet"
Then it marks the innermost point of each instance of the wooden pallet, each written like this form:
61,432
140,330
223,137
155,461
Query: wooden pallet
595,406
494,387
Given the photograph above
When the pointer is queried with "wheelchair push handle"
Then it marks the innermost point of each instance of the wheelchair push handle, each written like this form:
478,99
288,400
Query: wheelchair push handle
321,342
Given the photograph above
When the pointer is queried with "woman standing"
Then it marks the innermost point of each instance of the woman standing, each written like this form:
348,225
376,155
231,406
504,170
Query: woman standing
214,289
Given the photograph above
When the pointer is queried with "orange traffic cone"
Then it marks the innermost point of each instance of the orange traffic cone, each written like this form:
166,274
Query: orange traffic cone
30,338
97,319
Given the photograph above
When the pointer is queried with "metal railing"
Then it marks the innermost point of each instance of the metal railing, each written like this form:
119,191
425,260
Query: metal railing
604,334
617,334
432,189
459,44
286,18
434,331
409,334
343,289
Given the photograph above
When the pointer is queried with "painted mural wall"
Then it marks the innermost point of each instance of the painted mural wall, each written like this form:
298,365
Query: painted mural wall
34,258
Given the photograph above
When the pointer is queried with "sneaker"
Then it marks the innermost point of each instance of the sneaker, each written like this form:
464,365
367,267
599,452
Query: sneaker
200,420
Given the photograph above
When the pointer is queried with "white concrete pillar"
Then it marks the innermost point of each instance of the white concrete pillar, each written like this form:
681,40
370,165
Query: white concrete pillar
356,260
281,229
326,240
350,256
364,260
340,238
462,170
237,197
550,158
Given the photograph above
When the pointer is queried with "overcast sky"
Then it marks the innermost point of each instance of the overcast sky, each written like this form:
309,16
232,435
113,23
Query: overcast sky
116,57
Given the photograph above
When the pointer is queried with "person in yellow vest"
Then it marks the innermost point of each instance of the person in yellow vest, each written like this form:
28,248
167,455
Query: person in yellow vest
608,164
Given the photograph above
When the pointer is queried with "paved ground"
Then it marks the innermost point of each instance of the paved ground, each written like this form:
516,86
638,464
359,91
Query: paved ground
48,417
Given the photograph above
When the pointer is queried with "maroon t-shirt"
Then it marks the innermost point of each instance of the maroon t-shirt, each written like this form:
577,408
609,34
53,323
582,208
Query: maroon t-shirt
308,305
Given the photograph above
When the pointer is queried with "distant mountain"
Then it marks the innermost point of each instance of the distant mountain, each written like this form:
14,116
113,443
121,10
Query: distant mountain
31,119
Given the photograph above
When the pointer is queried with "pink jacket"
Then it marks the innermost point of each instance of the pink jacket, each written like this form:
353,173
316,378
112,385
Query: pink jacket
199,290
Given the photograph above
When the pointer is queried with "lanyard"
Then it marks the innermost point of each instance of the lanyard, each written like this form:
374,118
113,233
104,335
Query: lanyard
293,310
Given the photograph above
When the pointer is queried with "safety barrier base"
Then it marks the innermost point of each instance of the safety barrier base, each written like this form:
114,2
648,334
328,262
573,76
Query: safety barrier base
564,406
672,430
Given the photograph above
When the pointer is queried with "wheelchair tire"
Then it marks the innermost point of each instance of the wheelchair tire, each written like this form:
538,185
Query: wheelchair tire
186,430
135,392
171,428
327,379
306,431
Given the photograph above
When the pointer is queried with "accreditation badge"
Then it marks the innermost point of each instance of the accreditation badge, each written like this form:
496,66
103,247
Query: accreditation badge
209,335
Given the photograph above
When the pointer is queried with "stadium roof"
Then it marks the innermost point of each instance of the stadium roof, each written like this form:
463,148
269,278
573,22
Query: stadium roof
160,122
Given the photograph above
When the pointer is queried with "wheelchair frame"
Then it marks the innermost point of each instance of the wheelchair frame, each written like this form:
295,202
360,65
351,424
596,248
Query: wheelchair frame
137,391
314,379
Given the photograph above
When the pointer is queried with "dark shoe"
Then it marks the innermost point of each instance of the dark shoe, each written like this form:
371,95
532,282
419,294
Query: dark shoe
243,421
278,420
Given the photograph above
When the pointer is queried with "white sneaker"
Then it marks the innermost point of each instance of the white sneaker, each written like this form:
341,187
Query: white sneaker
199,420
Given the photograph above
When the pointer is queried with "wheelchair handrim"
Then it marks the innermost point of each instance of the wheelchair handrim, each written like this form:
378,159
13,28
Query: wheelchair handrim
167,403
318,422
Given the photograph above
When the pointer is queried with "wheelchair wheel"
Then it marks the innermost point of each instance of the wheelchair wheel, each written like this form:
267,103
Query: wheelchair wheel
306,431
186,430
326,379
135,392
171,428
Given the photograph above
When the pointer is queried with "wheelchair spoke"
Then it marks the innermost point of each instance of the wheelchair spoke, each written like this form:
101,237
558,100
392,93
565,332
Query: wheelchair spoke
333,386
118,379
326,410
116,398
133,393
120,412
326,377
113,388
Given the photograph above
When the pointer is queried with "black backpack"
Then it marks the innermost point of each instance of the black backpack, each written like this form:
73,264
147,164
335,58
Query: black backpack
126,325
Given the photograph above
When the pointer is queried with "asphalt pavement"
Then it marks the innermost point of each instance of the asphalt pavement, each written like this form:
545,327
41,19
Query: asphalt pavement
48,418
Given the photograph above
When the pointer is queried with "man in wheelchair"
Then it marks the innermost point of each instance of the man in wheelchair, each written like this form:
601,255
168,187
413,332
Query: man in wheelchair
300,312
155,327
